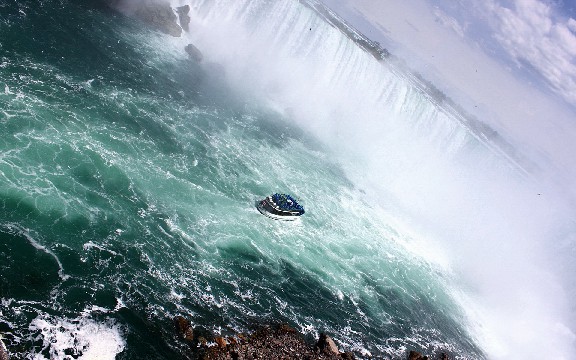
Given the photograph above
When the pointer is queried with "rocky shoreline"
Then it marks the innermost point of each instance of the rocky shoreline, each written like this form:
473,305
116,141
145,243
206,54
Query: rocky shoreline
270,342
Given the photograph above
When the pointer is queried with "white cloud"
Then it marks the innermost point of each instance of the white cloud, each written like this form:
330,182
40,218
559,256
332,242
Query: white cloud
449,22
531,32
571,25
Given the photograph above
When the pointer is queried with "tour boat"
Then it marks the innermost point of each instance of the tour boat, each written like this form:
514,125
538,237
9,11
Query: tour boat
280,207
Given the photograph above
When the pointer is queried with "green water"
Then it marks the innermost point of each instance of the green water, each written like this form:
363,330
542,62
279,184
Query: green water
128,176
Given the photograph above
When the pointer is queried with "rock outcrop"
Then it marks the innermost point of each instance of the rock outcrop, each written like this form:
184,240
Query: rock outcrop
414,355
268,342
194,53
158,14
271,343
184,328
183,17
3,351
326,345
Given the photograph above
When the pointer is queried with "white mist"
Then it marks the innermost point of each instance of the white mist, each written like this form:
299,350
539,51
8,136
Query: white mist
493,221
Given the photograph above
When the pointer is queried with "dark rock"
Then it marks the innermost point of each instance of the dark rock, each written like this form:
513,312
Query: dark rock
414,355
220,341
202,341
347,356
183,17
194,53
269,343
326,345
3,351
156,13
160,16
183,328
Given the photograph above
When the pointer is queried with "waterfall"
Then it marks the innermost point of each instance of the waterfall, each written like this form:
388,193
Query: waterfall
470,196
359,104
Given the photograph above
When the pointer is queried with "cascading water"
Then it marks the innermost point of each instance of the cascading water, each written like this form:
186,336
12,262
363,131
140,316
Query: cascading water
129,175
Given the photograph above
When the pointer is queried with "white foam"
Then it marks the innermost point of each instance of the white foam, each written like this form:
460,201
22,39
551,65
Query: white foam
85,338
119,304
91,245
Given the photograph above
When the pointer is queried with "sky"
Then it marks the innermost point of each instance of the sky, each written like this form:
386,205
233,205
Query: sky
511,63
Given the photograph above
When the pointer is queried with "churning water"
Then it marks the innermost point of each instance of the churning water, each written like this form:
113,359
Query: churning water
128,176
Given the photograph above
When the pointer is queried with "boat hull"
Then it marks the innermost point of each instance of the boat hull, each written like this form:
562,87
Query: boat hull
271,215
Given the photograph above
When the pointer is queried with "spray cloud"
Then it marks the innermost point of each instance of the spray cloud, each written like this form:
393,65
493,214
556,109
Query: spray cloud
469,200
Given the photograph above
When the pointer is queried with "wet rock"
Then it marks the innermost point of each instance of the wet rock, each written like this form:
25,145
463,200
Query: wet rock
202,341
156,13
278,342
347,356
326,345
184,328
220,341
4,355
414,355
183,17
194,53
160,16
269,343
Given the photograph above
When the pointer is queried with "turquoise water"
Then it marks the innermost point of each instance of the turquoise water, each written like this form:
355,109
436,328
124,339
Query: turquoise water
128,176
